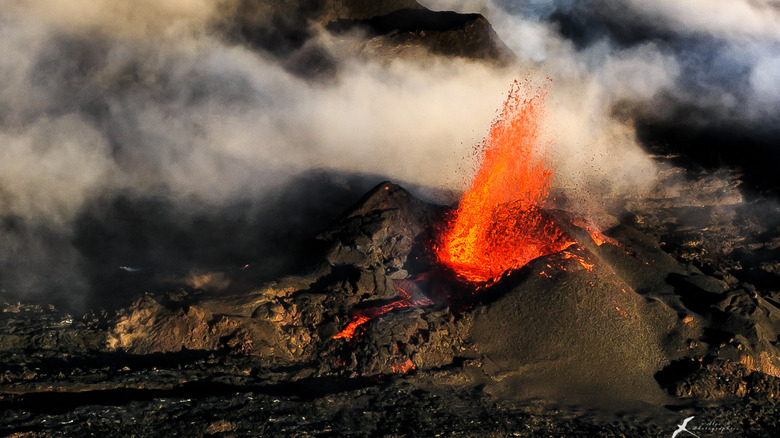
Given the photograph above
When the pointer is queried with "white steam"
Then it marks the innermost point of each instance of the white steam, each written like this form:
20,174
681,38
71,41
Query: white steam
731,19
145,97
134,19
716,59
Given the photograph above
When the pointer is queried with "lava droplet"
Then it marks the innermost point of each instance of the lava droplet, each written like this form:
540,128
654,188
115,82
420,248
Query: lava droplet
499,224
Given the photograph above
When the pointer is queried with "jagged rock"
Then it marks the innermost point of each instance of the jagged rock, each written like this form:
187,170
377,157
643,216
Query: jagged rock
751,325
390,29
285,322
403,341
380,231
719,379
31,327
271,334
592,323
406,33
149,327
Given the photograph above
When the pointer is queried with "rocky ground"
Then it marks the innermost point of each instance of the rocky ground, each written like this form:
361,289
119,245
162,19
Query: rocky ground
627,338
673,313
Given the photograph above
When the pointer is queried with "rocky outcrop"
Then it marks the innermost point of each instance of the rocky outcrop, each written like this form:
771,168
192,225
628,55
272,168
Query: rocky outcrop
718,379
625,306
614,318
387,29
407,33
290,321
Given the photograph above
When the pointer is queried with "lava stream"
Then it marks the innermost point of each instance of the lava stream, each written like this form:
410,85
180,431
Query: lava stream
362,316
499,224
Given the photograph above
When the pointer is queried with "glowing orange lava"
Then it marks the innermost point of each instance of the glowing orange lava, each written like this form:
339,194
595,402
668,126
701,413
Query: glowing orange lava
403,368
499,224
362,316
349,330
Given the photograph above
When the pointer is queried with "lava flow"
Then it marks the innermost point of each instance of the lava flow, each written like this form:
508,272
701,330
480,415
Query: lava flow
499,224
409,297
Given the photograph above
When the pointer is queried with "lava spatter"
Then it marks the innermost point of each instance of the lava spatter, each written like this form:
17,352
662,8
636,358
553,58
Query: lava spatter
499,224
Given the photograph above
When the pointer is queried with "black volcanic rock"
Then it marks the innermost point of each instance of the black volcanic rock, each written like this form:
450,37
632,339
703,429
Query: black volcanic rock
593,325
380,230
406,32
719,379
390,29
332,10
31,327
625,306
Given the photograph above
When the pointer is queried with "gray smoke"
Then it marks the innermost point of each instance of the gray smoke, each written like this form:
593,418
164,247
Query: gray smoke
699,74
116,119
716,60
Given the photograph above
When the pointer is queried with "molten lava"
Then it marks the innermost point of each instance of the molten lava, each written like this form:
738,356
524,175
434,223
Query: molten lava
499,224
408,298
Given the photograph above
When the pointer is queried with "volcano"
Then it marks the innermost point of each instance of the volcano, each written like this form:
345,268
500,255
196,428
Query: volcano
199,235
499,225
619,323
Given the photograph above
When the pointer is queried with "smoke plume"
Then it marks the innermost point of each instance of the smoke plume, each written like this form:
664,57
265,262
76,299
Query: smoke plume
137,136
697,75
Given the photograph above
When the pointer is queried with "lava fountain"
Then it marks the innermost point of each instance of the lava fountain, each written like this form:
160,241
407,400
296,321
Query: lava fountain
499,224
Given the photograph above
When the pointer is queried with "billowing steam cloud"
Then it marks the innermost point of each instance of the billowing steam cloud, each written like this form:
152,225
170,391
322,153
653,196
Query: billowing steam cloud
701,72
142,106
147,104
